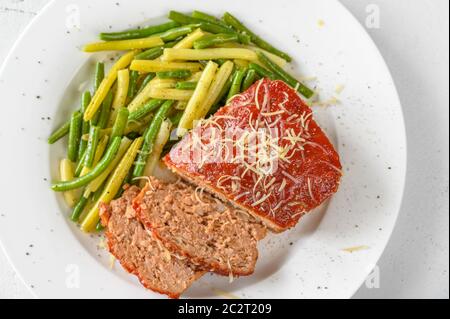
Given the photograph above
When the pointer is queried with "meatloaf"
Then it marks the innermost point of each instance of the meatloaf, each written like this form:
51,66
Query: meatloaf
194,224
141,254
264,153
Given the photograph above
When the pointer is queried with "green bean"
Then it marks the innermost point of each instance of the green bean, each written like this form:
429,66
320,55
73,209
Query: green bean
205,26
207,18
176,74
99,227
175,33
222,94
74,136
94,136
120,123
132,87
171,44
105,110
144,110
186,85
149,138
62,131
186,20
237,83
249,79
99,75
80,164
175,118
150,54
215,39
138,33
146,80
220,61
154,53
262,72
78,209
94,173
238,26
283,75
85,100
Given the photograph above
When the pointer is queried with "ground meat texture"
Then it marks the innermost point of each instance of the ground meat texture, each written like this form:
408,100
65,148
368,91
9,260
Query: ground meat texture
264,153
141,254
212,234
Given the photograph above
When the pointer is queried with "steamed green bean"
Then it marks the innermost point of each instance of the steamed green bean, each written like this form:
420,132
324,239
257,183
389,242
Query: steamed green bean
94,137
144,110
138,33
74,136
94,173
283,75
240,27
149,138
59,133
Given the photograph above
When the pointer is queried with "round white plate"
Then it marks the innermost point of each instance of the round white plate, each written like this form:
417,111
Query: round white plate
39,86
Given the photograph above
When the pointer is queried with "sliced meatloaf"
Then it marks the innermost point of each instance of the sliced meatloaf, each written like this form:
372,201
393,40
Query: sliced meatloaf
212,234
141,254
263,152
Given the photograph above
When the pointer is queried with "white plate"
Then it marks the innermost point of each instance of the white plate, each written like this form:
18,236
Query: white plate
42,76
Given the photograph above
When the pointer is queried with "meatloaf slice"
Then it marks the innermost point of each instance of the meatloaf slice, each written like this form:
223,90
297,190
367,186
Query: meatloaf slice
263,152
141,254
212,234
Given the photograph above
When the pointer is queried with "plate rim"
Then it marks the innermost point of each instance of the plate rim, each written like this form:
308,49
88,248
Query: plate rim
362,30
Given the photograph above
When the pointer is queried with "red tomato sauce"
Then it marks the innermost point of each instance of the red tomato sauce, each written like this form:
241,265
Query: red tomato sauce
301,168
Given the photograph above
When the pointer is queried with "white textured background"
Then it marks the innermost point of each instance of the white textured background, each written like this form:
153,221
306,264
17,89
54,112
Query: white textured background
413,38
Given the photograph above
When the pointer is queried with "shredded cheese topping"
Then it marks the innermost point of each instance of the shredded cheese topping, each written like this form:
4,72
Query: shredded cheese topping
262,147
